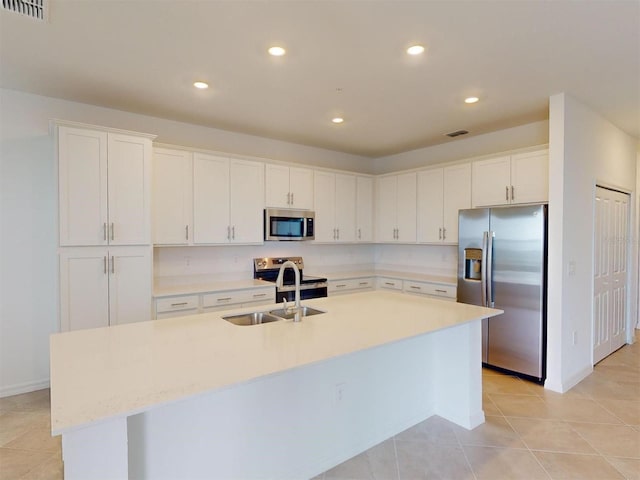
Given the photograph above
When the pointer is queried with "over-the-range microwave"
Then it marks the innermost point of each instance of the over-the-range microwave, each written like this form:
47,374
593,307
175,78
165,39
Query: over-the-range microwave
288,224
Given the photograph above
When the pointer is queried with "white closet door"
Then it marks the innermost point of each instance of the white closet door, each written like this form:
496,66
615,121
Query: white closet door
611,227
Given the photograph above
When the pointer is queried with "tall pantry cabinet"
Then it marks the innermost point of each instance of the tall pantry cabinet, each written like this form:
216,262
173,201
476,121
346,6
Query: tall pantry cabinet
104,225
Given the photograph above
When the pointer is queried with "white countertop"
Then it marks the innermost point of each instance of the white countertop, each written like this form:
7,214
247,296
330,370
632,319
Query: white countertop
419,277
126,369
212,286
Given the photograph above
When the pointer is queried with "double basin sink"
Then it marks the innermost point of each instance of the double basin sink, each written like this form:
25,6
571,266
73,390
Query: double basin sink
256,318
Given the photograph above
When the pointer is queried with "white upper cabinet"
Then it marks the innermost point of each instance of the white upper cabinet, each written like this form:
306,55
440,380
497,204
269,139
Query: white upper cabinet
364,209
102,286
172,204
520,178
103,187
441,193
289,187
396,208
335,200
227,200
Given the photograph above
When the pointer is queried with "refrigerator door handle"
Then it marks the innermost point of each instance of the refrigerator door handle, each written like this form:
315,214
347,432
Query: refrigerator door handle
490,299
483,268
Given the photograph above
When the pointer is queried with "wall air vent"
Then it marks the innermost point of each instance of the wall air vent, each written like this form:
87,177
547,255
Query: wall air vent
457,133
36,9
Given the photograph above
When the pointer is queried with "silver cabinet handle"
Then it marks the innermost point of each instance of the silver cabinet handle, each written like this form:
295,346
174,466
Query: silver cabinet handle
228,232
391,284
440,291
105,261
440,233
337,234
334,233
513,197
359,234
506,193
104,231
179,304
233,232
444,233
416,288
291,198
186,232
113,265
342,285
258,295
364,283
113,231
225,299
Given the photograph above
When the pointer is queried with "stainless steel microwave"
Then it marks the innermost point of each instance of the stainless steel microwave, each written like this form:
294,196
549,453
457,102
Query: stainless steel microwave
288,224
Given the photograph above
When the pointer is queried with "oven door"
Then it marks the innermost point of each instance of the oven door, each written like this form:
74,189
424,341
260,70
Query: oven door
306,292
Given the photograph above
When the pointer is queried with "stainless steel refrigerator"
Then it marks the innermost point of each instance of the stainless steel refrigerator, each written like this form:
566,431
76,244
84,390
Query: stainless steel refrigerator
502,261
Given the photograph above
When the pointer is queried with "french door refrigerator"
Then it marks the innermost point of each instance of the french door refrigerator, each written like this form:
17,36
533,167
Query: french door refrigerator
502,259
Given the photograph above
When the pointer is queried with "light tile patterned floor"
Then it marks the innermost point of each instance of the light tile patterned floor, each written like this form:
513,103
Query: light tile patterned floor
591,432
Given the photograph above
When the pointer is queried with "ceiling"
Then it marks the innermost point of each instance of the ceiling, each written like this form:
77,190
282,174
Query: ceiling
344,58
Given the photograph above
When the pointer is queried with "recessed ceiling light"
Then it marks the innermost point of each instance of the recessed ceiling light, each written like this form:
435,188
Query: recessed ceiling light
471,99
415,50
337,120
201,85
277,51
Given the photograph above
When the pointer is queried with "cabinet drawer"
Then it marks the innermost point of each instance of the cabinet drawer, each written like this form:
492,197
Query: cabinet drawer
258,295
430,289
391,283
173,304
221,298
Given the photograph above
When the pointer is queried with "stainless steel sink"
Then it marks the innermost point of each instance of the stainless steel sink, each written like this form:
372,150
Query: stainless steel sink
289,314
255,318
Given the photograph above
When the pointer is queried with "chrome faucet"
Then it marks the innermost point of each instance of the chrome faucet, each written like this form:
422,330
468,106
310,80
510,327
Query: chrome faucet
296,272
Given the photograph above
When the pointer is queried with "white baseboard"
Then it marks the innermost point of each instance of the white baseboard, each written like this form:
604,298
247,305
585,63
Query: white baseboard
565,385
17,389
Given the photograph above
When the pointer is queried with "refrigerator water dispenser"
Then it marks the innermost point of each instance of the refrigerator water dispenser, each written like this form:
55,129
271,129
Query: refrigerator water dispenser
473,264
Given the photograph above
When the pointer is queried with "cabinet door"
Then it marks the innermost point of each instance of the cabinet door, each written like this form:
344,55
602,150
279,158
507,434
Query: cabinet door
82,186
406,208
301,188
345,207
364,209
324,186
429,209
129,285
386,208
210,199
457,196
277,186
246,206
172,197
84,288
129,190
530,177
491,182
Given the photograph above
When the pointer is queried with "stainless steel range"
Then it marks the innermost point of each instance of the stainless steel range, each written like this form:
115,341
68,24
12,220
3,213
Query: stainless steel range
310,287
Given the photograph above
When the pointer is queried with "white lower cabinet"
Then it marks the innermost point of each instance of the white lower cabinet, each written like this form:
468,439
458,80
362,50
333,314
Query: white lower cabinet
190,304
447,292
102,286
350,285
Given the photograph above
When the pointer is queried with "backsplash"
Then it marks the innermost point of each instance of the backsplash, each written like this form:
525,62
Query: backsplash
235,262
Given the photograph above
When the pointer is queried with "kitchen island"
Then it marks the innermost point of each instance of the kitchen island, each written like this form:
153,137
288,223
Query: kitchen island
199,397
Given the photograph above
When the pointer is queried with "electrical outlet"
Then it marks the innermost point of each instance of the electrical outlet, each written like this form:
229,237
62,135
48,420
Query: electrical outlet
339,392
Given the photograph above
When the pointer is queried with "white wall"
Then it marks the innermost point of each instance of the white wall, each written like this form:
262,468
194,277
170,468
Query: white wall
528,135
585,150
28,265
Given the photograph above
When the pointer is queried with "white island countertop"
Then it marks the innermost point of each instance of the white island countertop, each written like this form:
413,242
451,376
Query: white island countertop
118,371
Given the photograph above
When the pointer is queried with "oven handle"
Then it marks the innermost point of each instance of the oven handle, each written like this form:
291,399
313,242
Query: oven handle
306,286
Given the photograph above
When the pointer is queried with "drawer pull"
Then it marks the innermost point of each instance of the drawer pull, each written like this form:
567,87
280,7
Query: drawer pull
225,299
416,288
391,284
256,295
364,283
179,304
440,291
341,285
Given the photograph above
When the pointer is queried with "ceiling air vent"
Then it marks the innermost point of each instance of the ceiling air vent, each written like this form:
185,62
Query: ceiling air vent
457,133
31,8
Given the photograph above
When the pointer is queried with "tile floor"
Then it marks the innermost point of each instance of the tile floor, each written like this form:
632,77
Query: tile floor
591,432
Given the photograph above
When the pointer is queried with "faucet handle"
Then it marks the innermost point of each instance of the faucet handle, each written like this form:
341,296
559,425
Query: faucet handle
286,307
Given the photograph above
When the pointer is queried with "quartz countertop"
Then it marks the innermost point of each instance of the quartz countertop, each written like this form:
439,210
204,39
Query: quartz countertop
122,370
